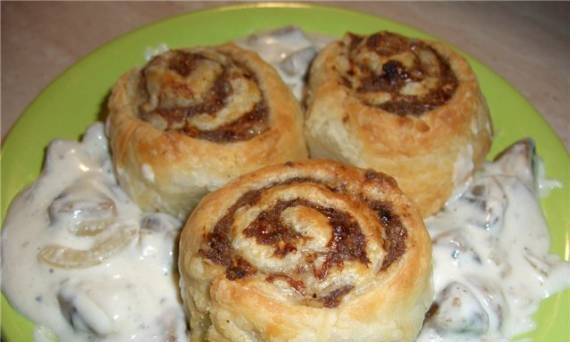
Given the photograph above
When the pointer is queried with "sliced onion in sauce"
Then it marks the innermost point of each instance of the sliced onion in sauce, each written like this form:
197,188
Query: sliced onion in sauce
67,257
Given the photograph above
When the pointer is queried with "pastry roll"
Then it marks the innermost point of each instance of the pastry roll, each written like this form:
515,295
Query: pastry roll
306,251
192,119
407,107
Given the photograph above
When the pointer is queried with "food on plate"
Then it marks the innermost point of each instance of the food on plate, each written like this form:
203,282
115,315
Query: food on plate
192,119
85,263
490,250
313,250
82,261
407,107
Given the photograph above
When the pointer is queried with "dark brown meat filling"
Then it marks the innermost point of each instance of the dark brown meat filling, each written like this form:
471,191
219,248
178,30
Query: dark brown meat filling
396,234
184,63
393,75
332,300
268,229
347,242
246,127
298,285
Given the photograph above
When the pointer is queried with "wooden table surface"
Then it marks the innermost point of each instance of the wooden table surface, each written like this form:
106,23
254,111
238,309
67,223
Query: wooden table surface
526,43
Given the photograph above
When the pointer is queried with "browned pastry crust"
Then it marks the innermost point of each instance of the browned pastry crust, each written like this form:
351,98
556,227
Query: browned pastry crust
193,119
407,107
306,251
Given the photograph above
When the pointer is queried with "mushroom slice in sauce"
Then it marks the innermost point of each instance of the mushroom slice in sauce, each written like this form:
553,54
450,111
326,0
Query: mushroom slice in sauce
458,311
82,313
160,223
458,245
83,208
492,298
297,63
484,203
520,161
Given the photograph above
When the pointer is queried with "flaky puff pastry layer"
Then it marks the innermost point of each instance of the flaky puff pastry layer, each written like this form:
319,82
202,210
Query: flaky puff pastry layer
306,251
193,119
412,109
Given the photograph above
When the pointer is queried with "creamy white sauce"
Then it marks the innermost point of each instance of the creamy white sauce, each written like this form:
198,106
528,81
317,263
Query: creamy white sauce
289,50
491,261
123,291
545,185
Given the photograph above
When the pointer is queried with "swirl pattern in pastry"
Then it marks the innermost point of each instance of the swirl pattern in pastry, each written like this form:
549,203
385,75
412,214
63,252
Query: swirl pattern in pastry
407,107
312,250
192,119
203,94
398,75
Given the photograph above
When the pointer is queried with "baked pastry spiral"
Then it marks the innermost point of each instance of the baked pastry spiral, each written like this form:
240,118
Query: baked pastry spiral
407,107
192,119
306,251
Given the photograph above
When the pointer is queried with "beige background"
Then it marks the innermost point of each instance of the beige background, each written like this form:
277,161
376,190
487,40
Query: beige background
527,43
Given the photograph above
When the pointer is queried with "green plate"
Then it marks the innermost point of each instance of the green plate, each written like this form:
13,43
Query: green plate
78,97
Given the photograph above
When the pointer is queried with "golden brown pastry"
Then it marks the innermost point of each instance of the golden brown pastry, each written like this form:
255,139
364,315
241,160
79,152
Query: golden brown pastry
407,107
192,119
306,251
